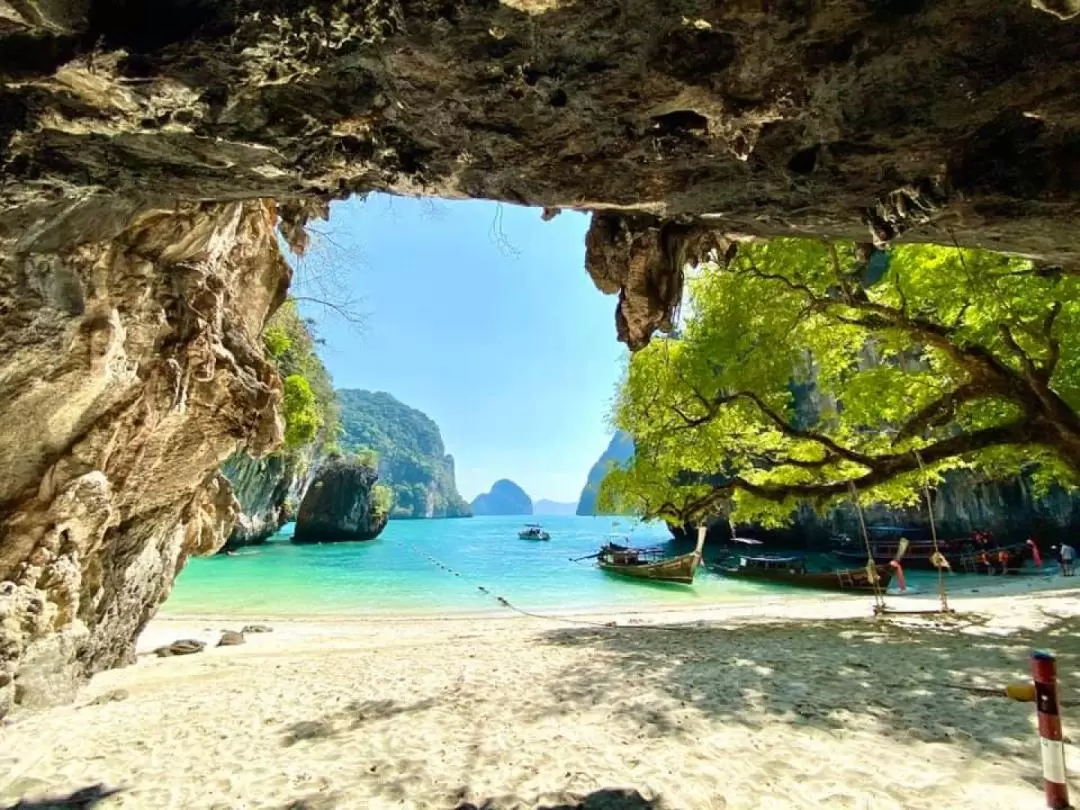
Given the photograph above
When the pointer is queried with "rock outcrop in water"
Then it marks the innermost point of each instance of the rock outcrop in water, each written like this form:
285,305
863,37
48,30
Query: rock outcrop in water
131,370
133,280
505,498
341,504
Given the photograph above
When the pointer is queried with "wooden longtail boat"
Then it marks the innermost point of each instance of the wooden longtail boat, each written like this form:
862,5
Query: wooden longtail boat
962,555
650,563
792,571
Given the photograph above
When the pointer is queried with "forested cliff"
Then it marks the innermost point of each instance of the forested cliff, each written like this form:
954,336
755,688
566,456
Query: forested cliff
408,450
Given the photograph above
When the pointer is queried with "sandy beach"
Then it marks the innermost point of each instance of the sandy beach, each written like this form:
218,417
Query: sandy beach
782,703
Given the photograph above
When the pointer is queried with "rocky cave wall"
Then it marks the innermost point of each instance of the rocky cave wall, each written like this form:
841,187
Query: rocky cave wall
684,121
131,370
137,268
269,490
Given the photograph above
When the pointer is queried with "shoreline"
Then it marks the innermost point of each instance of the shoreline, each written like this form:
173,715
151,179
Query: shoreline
970,588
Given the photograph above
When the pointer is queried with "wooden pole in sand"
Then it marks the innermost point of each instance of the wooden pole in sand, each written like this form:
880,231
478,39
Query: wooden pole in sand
1044,673
938,557
871,564
701,532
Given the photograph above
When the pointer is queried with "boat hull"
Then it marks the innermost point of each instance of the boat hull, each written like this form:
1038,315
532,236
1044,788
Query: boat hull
679,569
853,580
959,562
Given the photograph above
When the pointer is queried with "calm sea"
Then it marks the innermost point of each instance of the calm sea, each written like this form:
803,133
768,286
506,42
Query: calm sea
394,574
404,571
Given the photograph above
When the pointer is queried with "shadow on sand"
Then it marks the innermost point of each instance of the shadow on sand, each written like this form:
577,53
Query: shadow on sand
83,799
907,678
605,799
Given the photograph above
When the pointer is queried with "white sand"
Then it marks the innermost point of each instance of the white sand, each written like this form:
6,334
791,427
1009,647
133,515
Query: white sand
740,707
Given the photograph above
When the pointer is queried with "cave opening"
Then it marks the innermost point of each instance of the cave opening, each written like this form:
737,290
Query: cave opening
146,26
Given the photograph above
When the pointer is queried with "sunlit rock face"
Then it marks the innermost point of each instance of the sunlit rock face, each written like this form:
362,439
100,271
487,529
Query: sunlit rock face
136,267
130,369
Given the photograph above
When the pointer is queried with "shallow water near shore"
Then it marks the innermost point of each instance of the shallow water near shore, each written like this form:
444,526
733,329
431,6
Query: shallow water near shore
437,567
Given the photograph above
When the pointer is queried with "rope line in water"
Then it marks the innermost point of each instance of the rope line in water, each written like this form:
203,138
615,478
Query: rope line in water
508,604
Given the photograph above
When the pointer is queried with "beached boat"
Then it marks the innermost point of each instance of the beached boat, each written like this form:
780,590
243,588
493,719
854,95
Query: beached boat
651,563
792,570
533,531
963,555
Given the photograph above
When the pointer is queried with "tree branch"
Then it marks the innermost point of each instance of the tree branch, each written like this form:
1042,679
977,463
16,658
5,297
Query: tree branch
884,468
941,409
1053,354
345,313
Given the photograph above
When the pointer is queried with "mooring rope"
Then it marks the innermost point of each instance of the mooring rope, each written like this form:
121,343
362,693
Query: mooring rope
502,600
938,556
871,564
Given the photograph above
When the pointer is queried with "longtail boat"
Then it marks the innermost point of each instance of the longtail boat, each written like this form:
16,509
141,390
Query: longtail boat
962,555
650,563
792,570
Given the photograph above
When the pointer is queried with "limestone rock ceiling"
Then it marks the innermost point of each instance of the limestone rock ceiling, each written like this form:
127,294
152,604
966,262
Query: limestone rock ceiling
867,119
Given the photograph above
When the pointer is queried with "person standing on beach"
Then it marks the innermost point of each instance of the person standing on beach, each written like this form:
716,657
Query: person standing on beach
1067,555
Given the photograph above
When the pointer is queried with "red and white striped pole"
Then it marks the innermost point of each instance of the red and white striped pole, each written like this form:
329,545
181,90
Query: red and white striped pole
1044,673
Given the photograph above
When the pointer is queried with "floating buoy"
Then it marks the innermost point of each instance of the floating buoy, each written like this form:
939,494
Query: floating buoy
1021,692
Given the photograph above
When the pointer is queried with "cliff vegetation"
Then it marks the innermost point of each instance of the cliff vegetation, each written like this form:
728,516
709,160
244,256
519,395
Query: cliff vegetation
407,449
269,489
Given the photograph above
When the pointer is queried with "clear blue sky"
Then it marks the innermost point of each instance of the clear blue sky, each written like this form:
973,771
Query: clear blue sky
483,318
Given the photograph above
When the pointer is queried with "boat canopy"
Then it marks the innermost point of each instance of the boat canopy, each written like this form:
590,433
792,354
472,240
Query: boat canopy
749,541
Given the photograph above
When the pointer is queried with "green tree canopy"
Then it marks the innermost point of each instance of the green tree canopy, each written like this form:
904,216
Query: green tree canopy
806,367
310,404
302,418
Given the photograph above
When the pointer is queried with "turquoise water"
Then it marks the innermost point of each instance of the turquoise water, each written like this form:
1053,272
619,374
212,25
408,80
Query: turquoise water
391,575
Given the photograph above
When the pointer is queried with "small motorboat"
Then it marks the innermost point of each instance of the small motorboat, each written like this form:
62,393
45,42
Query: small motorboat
533,531
792,570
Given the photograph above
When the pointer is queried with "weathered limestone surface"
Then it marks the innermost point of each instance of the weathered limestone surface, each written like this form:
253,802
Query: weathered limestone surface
130,371
269,490
340,504
858,118
136,267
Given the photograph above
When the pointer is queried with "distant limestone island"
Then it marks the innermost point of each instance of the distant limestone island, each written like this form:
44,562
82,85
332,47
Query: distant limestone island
546,507
505,498
407,449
